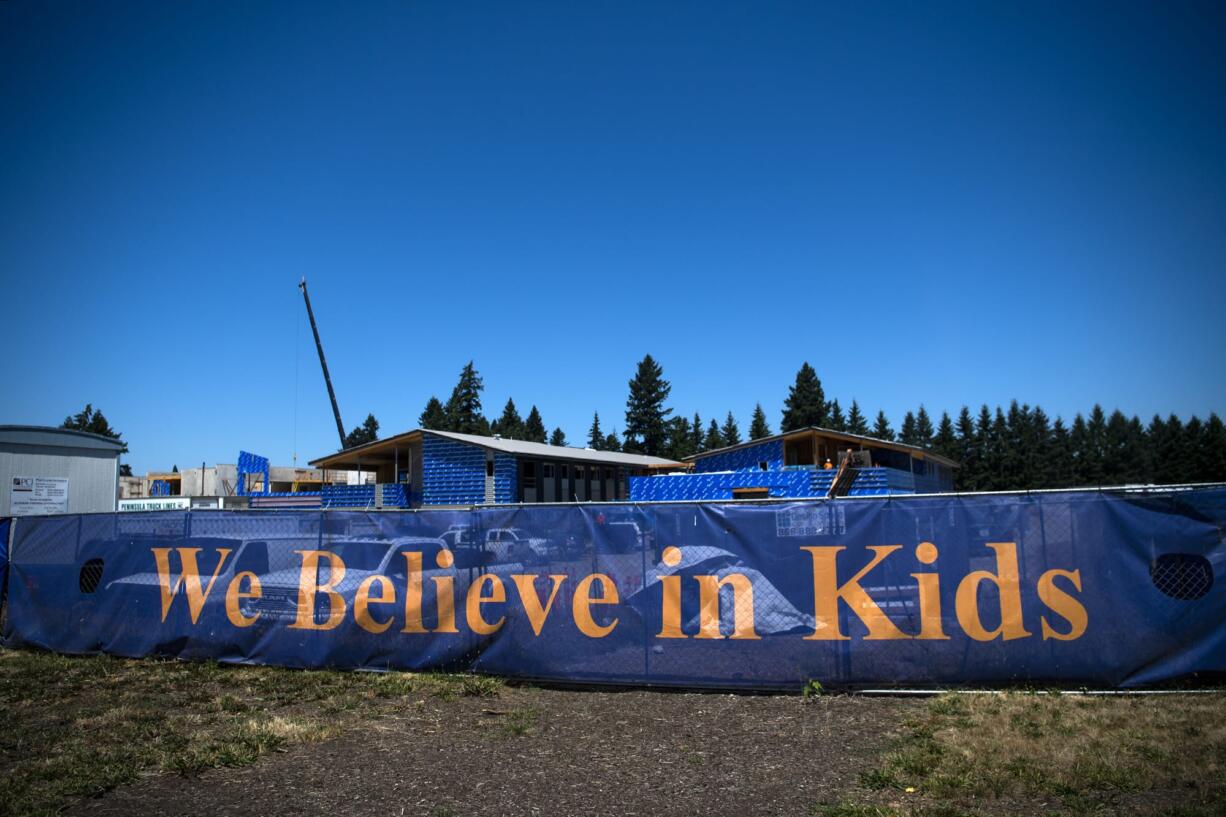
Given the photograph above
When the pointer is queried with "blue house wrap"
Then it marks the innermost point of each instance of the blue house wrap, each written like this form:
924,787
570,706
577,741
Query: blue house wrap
742,459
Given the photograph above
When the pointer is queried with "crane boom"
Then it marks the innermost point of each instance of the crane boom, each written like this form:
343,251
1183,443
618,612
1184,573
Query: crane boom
336,412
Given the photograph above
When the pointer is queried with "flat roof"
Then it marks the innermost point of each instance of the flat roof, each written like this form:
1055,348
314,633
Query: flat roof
383,450
874,442
60,437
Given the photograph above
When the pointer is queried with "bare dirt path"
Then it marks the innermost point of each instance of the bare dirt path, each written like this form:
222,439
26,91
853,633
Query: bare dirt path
533,751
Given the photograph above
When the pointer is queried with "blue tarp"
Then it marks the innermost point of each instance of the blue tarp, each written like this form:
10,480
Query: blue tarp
4,557
1115,589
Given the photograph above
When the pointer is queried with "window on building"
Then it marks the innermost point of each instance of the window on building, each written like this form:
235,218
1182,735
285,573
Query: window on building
489,468
529,472
762,465
565,472
547,470
608,473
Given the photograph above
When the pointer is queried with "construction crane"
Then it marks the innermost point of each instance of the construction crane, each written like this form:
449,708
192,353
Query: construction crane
336,412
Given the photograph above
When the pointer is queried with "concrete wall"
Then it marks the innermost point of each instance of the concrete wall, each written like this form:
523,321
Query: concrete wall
92,474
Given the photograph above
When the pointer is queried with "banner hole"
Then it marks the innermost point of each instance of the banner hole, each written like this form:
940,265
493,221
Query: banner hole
91,575
1182,576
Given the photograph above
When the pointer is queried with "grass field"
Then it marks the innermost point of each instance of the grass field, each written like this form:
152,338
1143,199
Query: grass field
75,728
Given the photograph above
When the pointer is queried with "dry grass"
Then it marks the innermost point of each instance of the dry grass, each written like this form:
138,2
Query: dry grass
79,726
1071,754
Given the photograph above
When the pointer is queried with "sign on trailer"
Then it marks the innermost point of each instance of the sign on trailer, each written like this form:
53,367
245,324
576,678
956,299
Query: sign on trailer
36,496
167,503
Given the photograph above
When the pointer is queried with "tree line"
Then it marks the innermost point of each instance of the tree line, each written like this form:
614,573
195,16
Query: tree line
1018,448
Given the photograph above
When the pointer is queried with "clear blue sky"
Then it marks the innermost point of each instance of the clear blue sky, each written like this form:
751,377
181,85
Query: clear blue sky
1008,201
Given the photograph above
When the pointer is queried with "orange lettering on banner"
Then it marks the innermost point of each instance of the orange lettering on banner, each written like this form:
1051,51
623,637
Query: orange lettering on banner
827,591
444,594
583,601
309,588
235,597
362,602
412,594
670,610
532,602
1063,604
188,578
929,595
742,606
476,597
1007,581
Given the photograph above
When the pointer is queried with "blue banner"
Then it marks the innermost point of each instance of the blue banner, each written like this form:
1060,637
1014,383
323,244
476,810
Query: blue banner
1111,589
4,557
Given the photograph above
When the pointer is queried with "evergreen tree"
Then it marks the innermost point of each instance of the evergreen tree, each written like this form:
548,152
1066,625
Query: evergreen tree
646,416
557,438
1168,444
534,427
1214,442
1042,454
434,416
1060,474
464,406
698,443
1001,479
367,432
509,425
1077,446
945,442
758,427
923,428
856,424
806,402
595,437
612,442
714,438
968,454
95,423
1095,447
882,430
731,432
174,469
835,417
680,439
907,433
1011,444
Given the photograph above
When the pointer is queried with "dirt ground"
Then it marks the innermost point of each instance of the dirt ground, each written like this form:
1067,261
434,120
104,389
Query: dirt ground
532,751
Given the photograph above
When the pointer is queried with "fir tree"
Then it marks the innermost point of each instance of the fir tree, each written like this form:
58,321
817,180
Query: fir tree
731,432
1095,447
680,439
434,416
967,456
945,442
1214,441
1060,474
1077,452
367,432
595,437
534,427
464,406
557,438
907,433
882,430
856,424
612,442
714,438
1169,448
698,441
806,402
758,427
835,420
509,425
923,428
646,416
95,423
